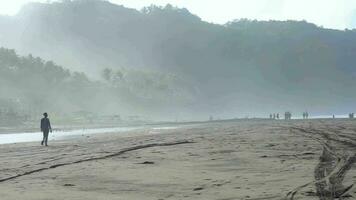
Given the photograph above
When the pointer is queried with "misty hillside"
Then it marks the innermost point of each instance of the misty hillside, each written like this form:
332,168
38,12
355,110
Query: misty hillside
234,69
29,86
33,84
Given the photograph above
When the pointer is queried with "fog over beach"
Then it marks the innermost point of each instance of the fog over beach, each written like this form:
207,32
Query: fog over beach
170,100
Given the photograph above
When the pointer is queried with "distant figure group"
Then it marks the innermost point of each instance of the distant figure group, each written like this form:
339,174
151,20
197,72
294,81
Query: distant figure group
305,115
288,116
274,116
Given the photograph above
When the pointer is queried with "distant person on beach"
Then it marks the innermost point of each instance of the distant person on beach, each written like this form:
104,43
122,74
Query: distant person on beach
45,128
287,116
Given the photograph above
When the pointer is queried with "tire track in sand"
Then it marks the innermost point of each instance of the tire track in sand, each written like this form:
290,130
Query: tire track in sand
332,167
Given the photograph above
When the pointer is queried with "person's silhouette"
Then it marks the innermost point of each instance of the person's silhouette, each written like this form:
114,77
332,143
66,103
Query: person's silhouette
45,128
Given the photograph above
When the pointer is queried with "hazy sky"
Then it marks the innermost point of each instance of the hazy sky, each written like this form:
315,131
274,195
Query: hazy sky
339,14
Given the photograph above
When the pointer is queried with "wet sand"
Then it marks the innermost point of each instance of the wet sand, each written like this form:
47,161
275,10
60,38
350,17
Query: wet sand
232,160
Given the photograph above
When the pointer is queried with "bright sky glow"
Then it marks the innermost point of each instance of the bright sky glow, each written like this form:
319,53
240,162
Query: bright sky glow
337,14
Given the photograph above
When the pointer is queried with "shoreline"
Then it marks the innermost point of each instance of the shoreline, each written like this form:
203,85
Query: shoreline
69,127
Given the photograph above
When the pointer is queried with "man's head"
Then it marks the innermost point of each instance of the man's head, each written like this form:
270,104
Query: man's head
45,115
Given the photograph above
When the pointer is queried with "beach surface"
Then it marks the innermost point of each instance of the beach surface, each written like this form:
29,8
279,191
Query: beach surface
247,159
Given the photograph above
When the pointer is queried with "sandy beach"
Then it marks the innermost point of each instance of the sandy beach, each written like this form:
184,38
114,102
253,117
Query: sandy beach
311,159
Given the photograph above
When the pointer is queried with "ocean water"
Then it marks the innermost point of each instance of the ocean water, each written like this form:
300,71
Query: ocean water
70,134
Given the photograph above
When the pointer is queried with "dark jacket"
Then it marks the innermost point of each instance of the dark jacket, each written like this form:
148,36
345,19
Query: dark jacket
45,124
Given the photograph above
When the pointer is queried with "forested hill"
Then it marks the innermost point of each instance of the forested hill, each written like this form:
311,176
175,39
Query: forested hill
37,85
239,67
30,86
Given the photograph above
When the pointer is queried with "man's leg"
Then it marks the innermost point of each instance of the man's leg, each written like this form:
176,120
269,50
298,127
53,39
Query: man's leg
43,137
46,137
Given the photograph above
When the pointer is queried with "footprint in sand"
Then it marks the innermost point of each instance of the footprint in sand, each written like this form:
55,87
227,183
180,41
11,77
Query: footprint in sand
147,163
198,189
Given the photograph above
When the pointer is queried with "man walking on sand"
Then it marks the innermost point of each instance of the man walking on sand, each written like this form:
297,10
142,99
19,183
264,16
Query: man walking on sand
45,128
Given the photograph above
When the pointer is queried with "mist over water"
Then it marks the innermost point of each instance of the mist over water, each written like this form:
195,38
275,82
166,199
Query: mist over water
63,135
58,135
